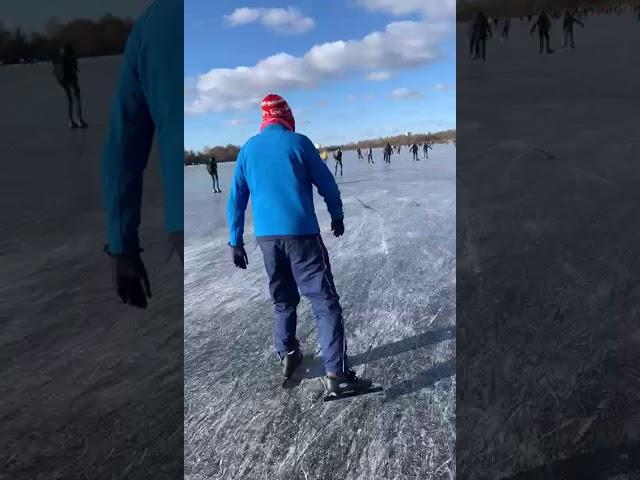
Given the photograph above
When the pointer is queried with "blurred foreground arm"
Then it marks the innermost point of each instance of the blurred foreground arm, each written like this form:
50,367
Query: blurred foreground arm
145,103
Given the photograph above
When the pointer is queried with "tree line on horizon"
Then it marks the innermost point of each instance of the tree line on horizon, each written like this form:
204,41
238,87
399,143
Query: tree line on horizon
230,152
89,38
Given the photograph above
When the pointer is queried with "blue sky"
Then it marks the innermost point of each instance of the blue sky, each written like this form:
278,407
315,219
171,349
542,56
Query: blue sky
323,58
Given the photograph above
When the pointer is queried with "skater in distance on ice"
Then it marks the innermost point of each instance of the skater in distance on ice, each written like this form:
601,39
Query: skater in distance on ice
370,155
145,103
338,158
414,151
543,25
425,149
212,168
567,24
278,169
386,153
65,69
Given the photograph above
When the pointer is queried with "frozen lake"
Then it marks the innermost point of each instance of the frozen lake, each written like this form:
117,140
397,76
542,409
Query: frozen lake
547,251
395,271
86,382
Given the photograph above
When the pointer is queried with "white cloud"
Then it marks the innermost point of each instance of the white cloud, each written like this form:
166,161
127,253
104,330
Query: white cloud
378,76
402,44
402,93
236,122
281,20
430,8
443,87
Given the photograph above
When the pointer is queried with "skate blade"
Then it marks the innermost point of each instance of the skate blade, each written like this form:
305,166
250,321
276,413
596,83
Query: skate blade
354,393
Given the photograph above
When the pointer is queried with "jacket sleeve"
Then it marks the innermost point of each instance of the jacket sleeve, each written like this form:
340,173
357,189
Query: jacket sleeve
125,155
322,179
238,200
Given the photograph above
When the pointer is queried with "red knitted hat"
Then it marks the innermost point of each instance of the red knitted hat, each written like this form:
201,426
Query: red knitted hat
275,110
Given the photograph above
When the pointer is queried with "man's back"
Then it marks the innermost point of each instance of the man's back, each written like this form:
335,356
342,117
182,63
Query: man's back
278,168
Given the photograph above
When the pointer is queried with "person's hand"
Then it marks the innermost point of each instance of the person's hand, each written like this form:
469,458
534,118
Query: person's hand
240,258
337,227
130,280
176,245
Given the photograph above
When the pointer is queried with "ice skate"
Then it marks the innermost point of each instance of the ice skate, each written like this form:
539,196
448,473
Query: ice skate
344,385
290,362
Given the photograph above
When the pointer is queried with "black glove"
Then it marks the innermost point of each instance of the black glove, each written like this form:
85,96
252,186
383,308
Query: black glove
337,227
176,245
240,258
130,279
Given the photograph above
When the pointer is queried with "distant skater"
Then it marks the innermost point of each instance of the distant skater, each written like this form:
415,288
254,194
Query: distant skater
65,69
543,24
212,168
567,24
481,31
370,155
338,157
506,28
324,155
414,150
359,153
388,150
425,149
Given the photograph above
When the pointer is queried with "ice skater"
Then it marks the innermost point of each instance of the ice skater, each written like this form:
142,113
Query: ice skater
481,31
359,153
370,155
154,52
425,149
65,69
506,28
414,151
567,24
543,24
338,158
388,150
212,168
287,231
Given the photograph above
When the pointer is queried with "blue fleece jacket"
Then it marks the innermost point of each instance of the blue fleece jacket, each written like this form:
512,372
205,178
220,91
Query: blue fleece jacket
278,168
148,100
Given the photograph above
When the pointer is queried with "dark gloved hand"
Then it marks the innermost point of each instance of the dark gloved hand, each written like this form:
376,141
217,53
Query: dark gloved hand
176,245
337,227
240,258
131,280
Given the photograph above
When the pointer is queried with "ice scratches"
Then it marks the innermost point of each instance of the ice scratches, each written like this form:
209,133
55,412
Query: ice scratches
367,206
383,241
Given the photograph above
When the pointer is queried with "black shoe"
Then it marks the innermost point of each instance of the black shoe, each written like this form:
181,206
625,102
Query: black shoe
73,125
341,383
290,362
83,124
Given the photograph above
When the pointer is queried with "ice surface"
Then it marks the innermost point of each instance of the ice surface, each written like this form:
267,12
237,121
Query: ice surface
395,271
548,195
86,382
